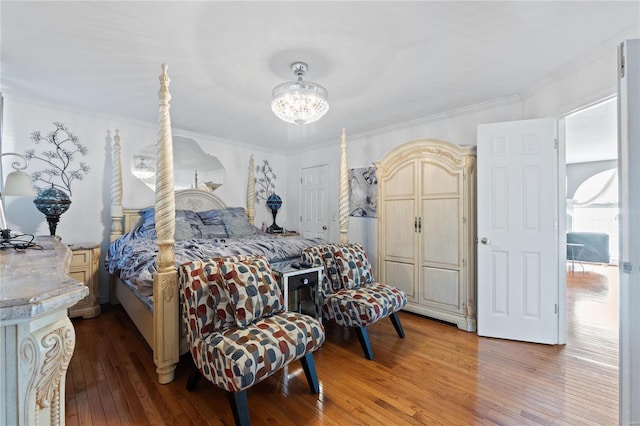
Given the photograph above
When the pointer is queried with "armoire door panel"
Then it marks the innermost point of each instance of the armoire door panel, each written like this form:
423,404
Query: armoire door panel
401,183
441,286
402,276
441,231
438,180
400,231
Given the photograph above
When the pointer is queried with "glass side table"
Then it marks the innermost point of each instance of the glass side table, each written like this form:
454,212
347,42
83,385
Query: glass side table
294,281
576,250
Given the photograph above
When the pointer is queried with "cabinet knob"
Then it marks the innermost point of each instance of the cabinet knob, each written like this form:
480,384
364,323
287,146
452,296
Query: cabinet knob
324,227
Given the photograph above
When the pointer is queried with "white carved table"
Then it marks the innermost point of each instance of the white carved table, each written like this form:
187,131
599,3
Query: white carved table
36,336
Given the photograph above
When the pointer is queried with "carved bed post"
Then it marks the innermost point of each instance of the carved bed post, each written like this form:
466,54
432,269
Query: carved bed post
344,191
165,285
251,192
116,188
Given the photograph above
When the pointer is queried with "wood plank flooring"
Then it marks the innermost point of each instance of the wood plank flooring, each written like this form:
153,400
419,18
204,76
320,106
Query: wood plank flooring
438,375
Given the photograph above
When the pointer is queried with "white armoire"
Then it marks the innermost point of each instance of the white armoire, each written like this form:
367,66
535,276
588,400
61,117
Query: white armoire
426,228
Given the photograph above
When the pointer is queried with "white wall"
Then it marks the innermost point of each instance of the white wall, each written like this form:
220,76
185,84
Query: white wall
88,218
585,81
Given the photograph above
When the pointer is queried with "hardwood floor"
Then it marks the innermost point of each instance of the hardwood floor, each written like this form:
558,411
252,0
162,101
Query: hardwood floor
438,375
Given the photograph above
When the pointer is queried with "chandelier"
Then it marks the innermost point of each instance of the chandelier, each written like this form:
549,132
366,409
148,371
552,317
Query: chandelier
299,102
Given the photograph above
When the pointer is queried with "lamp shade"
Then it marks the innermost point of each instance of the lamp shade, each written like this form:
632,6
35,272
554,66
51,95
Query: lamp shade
18,184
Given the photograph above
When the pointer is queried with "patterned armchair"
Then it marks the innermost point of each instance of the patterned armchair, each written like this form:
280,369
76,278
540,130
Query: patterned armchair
350,296
238,331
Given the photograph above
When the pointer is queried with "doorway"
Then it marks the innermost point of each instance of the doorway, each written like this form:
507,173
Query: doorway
592,235
592,181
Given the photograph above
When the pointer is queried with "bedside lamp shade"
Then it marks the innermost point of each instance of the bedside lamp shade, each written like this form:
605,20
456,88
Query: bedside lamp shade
18,184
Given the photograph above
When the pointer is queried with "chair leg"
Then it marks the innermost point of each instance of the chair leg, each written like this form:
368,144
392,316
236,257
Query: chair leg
363,336
194,378
395,320
240,407
309,368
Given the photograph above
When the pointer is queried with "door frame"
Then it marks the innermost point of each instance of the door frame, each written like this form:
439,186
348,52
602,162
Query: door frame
628,264
561,167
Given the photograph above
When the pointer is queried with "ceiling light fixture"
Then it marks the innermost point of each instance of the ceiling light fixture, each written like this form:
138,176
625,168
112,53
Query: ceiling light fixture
299,102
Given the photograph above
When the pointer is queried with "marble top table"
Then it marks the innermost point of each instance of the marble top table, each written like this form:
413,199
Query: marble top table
36,336
33,282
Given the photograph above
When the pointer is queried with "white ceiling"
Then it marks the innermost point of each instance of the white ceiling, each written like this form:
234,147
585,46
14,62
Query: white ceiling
383,63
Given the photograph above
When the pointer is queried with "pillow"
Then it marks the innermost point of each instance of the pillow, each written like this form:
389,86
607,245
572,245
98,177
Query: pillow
186,225
223,316
323,256
185,219
183,231
238,226
211,217
214,217
212,231
214,311
197,300
253,290
148,221
235,211
353,265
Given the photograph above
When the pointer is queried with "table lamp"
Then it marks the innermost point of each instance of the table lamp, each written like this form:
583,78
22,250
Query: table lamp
18,183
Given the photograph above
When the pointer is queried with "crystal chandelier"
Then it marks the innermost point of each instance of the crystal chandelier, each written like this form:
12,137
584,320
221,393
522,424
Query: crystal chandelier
299,102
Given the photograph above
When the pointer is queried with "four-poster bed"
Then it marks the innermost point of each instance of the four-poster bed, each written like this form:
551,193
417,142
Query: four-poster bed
160,324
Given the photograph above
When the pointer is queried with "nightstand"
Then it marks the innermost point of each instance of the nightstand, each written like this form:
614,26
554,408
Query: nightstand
290,234
84,267
294,281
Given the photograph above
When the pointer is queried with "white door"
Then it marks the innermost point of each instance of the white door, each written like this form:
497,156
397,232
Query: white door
629,204
518,231
314,211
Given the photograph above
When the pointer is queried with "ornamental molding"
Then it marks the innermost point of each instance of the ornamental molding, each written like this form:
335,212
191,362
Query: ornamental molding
29,354
168,284
456,157
58,349
469,164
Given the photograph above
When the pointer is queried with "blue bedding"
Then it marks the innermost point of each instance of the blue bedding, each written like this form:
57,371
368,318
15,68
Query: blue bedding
133,256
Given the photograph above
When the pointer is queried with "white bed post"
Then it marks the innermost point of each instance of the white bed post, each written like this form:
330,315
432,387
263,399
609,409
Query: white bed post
344,191
116,188
251,192
165,285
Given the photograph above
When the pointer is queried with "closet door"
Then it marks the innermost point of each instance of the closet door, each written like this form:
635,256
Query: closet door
398,232
440,260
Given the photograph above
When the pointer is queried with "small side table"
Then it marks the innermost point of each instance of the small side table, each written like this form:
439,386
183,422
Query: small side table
84,268
292,280
290,234
576,252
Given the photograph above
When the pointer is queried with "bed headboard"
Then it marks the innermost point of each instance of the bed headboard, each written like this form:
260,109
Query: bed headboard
187,199
198,201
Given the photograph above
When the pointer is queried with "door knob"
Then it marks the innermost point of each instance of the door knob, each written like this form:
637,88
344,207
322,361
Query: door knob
485,240
324,228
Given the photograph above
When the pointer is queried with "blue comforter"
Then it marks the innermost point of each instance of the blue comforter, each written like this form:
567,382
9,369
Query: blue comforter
134,257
